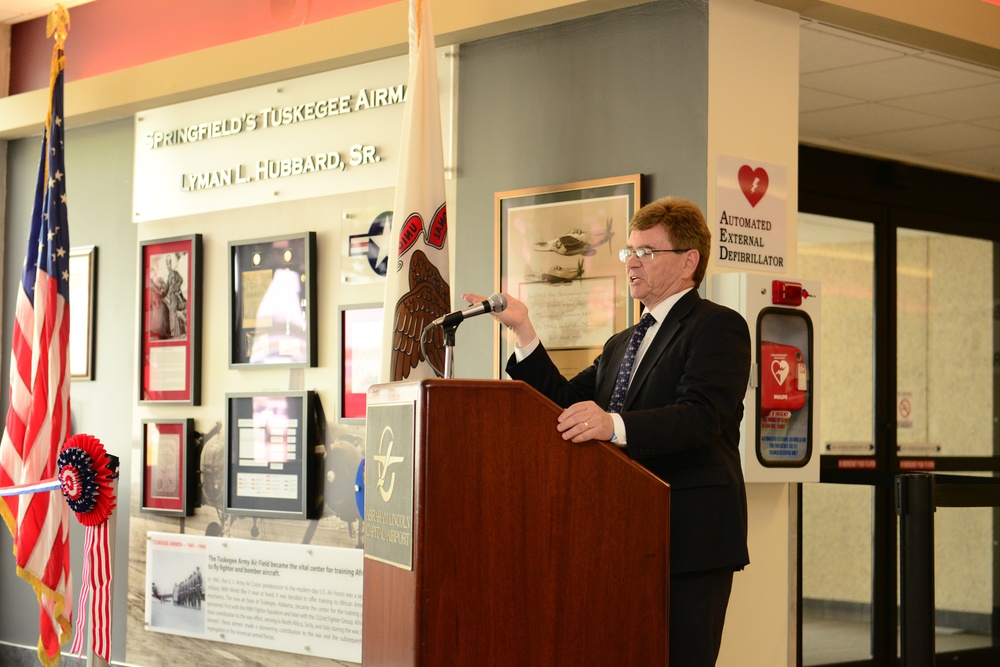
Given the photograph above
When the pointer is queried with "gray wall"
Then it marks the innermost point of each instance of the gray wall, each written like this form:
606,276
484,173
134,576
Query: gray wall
99,191
620,93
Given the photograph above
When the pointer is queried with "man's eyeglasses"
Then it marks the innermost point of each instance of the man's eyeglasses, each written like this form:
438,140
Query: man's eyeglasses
625,253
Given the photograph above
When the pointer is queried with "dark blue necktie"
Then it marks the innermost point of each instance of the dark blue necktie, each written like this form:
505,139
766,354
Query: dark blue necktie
628,363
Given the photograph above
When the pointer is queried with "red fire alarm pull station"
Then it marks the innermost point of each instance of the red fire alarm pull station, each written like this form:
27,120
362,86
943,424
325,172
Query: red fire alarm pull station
786,294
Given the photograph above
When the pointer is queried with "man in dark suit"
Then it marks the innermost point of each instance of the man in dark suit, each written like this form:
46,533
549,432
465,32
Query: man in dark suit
674,405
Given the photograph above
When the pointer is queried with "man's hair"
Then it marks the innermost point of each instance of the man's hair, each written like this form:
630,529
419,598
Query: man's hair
685,225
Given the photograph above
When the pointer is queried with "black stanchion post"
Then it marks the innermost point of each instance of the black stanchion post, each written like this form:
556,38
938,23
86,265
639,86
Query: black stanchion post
915,507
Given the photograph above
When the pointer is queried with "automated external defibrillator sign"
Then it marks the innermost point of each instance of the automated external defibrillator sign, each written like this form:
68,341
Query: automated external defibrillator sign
780,420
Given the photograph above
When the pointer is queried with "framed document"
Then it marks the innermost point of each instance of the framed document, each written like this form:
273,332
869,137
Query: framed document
270,452
558,249
168,467
360,357
272,296
82,297
170,314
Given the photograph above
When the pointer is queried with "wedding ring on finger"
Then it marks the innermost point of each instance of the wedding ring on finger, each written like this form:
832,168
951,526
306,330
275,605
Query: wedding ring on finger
586,426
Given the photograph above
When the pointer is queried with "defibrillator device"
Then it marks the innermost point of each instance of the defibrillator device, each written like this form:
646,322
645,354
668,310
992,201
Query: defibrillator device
784,380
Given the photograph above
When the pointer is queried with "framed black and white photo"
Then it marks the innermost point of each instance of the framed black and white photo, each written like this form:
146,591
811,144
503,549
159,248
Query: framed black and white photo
272,302
170,315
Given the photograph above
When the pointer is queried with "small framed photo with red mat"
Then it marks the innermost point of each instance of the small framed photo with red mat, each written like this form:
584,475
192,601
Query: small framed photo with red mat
168,467
360,358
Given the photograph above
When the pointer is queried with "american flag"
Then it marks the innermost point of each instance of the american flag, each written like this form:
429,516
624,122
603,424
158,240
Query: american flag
38,419
416,289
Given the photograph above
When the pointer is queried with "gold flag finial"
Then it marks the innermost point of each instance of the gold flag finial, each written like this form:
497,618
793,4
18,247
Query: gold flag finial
58,24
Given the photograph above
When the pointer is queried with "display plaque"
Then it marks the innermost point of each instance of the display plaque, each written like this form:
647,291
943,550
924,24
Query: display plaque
269,463
388,496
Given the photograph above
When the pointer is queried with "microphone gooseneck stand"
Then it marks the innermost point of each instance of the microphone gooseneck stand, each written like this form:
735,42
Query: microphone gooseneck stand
449,349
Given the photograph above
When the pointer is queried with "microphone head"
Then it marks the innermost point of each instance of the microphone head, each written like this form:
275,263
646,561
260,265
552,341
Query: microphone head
497,302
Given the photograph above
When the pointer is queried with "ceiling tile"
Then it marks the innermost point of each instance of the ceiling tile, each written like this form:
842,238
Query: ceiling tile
962,104
861,119
972,67
816,100
935,140
891,79
987,158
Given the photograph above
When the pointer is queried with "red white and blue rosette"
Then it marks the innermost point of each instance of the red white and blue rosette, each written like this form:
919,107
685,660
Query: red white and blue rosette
85,479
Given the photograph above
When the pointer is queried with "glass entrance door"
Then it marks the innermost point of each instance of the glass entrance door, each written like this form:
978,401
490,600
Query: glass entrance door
837,519
908,266
946,348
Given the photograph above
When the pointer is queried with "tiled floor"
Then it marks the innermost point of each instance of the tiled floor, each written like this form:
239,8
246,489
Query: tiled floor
826,641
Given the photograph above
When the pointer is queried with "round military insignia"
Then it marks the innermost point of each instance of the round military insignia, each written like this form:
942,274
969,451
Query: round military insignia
379,229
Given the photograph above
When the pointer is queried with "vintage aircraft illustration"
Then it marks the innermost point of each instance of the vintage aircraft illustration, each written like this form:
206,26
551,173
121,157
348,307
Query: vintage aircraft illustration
556,274
577,241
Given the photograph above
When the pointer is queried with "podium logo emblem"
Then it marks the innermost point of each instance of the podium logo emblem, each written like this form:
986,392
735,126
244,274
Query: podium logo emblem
385,459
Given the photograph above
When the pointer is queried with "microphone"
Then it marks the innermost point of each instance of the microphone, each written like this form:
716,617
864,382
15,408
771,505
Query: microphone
494,304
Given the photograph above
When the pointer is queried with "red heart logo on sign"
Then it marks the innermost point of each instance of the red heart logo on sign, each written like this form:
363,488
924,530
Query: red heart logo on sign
753,182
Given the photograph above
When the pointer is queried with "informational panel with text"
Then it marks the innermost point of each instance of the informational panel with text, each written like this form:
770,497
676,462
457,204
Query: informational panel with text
296,598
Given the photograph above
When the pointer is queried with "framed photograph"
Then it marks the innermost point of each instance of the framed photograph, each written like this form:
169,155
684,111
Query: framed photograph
558,253
168,467
360,357
82,299
272,317
270,452
170,327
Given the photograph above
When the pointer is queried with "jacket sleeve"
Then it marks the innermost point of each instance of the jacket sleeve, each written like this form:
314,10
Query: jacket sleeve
539,371
693,400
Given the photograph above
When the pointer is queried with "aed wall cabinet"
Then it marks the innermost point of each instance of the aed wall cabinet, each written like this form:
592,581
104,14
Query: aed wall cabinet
779,433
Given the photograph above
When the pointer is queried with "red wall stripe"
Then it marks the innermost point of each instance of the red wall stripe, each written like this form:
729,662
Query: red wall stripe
110,35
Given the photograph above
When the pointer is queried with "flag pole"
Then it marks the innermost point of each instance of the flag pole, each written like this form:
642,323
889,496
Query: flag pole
38,418
417,289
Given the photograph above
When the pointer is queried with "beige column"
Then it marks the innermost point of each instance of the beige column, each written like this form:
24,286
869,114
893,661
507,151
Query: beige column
753,84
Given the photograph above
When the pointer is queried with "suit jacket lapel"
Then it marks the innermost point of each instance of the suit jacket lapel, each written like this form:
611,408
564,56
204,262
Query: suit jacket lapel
664,335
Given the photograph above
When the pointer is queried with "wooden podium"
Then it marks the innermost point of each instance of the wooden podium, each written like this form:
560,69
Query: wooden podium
526,549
